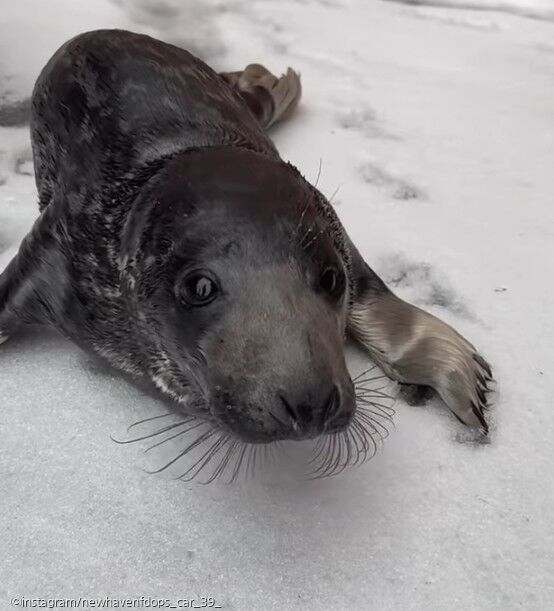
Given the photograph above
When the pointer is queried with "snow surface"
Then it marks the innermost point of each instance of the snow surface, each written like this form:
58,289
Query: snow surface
437,127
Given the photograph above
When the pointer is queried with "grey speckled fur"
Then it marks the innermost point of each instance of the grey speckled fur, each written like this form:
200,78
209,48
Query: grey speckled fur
149,164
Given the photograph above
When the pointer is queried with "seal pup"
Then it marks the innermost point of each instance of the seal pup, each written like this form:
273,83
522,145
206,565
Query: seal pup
175,243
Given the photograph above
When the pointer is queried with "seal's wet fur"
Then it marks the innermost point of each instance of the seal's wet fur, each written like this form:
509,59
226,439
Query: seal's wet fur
155,172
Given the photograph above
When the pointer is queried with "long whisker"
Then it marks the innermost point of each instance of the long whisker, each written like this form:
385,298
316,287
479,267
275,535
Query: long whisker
363,373
319,449
330,200
238,464
315,237
358,434
223,463
155,434
149,420
297,230
194,444
204,459
324,466
375,425
318,173
250,461
159,443
368,436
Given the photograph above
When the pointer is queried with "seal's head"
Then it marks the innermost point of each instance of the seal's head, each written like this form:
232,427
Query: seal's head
238,275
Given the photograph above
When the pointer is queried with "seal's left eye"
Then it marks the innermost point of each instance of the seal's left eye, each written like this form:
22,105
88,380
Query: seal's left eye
198,288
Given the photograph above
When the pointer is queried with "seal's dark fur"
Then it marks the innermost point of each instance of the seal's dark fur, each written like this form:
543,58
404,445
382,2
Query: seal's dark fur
148,163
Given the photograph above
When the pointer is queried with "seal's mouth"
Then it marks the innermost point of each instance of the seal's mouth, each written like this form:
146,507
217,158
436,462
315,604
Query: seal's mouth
204,451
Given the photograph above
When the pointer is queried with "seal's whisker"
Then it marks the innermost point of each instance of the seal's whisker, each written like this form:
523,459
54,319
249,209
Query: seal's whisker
334,194
320,447
365,402
371,411
368,395
264,454
365,380
318,173
249,460
368,391
358,433
362,388
376,419
367,398
363,373
368,436
220,469
273,450
188,430
222,465
270,452
201,462
386,411
307,234
336,453
375,425
155,434
376,415
344,442
348,447
315,237
149,420
299,225
238,463
256,460
199,440
327,462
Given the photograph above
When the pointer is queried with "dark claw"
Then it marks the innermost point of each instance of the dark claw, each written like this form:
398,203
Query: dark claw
478,411
481,361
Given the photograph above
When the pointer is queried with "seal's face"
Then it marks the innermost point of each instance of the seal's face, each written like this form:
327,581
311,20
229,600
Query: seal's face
248,295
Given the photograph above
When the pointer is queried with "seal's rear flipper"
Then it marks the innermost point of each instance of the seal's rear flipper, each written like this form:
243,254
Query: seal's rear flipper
415,347
270,99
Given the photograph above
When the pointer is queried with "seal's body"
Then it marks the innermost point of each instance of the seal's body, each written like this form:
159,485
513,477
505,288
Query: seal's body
174,242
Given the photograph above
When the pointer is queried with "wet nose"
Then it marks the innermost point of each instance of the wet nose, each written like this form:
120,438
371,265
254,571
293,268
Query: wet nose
308,417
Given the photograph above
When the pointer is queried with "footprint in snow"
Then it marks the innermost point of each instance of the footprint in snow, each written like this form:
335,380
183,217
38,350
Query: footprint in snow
422,284
374,174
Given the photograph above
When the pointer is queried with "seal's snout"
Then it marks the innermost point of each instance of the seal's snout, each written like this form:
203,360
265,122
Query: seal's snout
327,412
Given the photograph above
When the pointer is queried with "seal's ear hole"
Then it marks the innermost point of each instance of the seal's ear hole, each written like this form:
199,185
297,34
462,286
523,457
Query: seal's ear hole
333,282
198,288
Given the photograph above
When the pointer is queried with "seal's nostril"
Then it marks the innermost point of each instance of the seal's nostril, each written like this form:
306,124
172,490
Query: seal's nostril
333,405
291,413
309,416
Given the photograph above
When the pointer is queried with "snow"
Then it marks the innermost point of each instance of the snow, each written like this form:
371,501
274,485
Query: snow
534,9
437,127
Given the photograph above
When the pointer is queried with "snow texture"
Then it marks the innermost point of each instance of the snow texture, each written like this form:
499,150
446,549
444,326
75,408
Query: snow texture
436,125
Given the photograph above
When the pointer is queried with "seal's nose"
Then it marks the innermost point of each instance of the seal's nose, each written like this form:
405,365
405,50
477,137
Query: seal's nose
310,418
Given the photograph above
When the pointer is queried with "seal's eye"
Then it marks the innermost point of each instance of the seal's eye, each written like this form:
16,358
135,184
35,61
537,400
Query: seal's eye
198,288
332,281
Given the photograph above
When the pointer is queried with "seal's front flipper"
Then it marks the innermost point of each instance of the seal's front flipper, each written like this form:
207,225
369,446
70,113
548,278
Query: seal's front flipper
32,287
415,347
270,99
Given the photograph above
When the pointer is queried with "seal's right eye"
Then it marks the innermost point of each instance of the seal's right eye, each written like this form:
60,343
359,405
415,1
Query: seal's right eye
198,288
333,282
